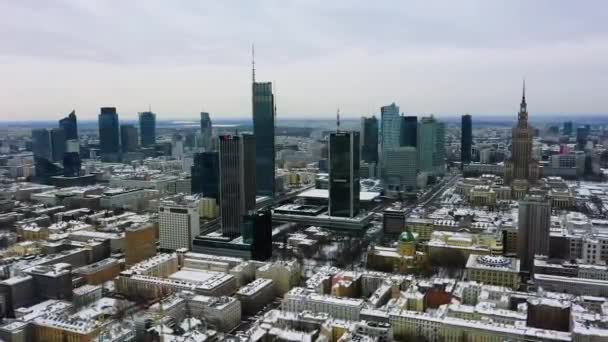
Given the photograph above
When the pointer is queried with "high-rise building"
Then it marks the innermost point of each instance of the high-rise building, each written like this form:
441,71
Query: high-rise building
390,127
205,174
568,127
57,144
147,128
533,229
431,146
41,143
263,129
257,232
522,166
409,131
466,139
206,132
582,135
344,184
178,224
237,155
71,159
369,140
70,126
177,146
128,138
109,136
401,172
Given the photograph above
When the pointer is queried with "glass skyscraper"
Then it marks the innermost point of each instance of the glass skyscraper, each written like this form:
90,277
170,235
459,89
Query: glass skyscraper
369,140
466,139
147,128
431,146
205,174
206,132
128,138
344,186
70,126
57,144
409,131
109,136
263,129
41,143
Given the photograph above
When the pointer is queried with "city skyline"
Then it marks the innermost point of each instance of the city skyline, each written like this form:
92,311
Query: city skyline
465,58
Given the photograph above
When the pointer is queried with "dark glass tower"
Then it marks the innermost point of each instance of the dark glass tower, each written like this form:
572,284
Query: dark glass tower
369,140
263,129
108,131
128,138
71,159
41,143
466,139
568,127
205,174
344,184
206,132
409,131
237,181
147,128
70,126
57,144
257,232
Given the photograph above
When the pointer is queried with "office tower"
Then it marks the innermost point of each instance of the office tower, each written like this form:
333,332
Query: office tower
522,166
390,128
128,138
257,232
431,146
70,126
401,172
178,224
582,135
408,135
344,184
41,143
205,174
263,129
108,131
71,159
177,146
466,139
568,127
206,143
141,243
533,229
237,154
57,144
369,140
147,128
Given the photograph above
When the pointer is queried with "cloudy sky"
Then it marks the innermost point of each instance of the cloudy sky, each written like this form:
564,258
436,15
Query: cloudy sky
443,57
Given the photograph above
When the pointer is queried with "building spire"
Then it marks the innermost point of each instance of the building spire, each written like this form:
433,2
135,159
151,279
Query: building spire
338,120
253,63
523,96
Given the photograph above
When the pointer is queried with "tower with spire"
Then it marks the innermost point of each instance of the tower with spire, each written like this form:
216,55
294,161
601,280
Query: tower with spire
521,170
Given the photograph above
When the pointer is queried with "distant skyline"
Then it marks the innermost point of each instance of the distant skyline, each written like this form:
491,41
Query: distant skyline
185,57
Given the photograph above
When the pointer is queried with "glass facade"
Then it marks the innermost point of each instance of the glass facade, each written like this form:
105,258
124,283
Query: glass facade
147,128
205,174
263,129
344,184
108,130
70,126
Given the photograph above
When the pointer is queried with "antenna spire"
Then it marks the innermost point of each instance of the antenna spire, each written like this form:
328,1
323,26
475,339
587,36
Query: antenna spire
253,63
338,119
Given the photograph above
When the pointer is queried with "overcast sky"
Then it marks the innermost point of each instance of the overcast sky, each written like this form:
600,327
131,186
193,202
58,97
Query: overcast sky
445,57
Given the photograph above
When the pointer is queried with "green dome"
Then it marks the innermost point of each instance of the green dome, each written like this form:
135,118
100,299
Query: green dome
406,236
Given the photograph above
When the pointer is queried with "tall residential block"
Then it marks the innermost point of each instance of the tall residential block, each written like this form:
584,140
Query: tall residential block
533,229
263,129
147,128
344,186
237,155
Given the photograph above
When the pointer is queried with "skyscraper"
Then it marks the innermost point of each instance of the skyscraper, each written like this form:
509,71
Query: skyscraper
177,146
522,166
390,126
237,155
401,172
533,229
205,174
57,144
431,146
71,159
263,129
257,232
70,126
466,139
409,131
109,136
147,128
41,143
344,186
128,138
568,127
582,135
206,132
369,140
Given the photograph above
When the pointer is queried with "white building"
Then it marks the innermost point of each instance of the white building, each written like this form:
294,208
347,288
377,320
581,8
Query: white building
299,299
